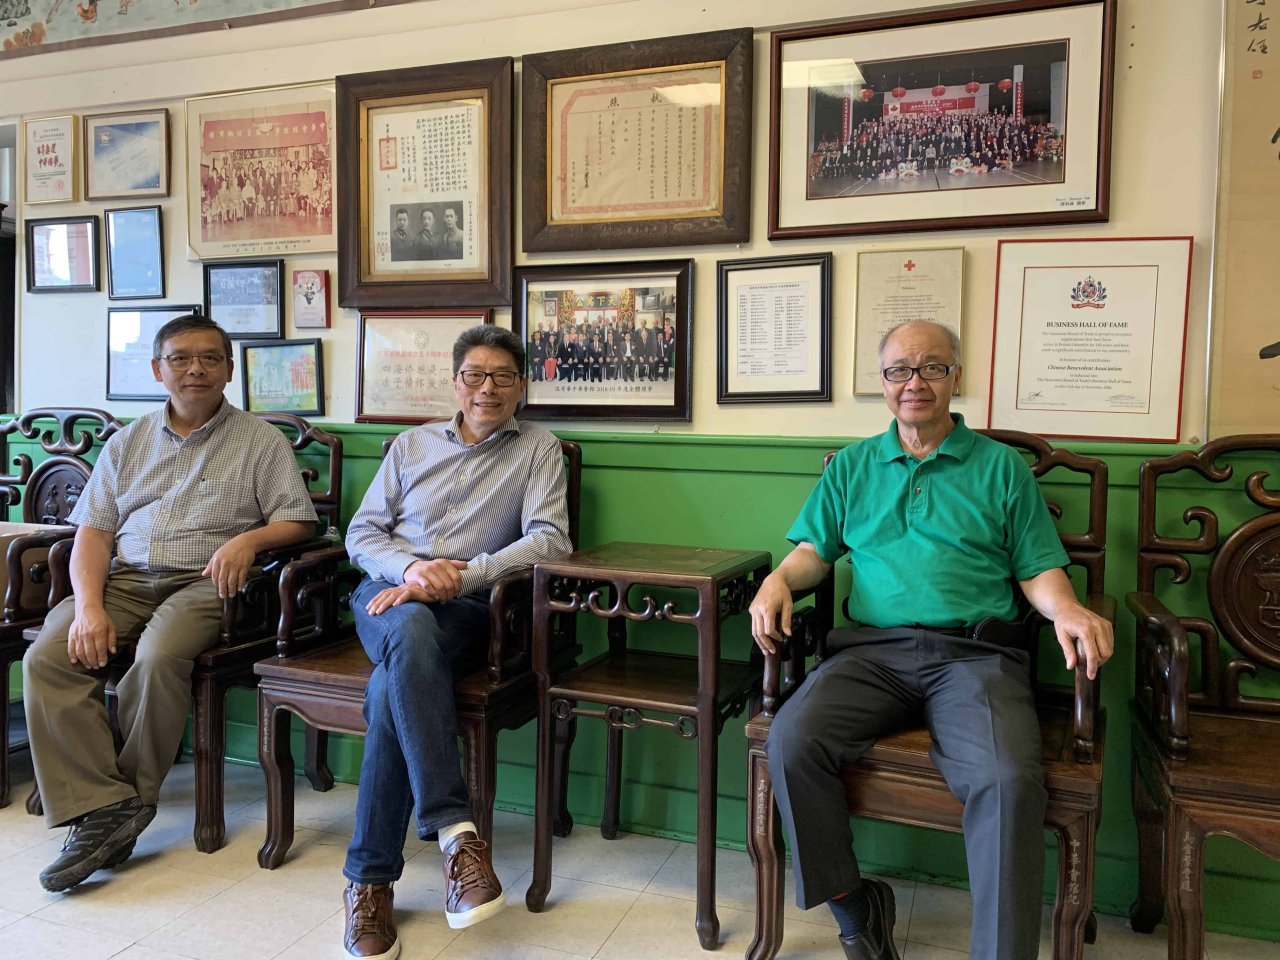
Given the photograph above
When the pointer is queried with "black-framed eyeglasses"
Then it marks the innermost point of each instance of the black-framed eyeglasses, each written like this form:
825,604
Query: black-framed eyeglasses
930,371
501,378
182,361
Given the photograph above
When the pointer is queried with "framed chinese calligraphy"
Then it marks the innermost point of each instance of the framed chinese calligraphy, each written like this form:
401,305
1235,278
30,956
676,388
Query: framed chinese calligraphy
127,154
425,215
774,329
406,363
981,115
617,345
642,144
260,172
52,152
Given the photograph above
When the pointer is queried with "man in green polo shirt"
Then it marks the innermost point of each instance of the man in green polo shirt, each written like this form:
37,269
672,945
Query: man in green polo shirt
938,522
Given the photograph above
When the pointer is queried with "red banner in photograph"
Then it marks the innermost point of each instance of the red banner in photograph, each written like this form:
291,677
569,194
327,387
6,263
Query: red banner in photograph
264,133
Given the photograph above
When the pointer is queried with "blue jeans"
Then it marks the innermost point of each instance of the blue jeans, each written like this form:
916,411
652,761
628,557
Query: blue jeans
410,761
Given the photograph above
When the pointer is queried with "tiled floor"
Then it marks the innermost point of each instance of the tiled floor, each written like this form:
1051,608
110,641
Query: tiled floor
628,899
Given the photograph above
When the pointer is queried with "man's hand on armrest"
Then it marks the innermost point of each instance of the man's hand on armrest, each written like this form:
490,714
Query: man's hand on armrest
771,609
230,564
1080,631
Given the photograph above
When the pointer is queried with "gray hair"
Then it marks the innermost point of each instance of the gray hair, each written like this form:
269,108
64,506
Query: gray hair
487,335
179,325
953,338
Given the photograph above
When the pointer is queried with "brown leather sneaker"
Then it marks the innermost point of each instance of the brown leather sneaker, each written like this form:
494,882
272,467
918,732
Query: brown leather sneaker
472,890
371,929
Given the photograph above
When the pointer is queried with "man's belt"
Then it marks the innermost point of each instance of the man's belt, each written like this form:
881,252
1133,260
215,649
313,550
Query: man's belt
987,630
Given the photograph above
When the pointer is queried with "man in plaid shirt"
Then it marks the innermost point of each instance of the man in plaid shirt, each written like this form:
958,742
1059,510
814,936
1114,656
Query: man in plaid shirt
178,505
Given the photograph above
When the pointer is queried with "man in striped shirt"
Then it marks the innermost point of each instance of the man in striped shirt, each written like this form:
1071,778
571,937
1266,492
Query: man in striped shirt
455,506
178,505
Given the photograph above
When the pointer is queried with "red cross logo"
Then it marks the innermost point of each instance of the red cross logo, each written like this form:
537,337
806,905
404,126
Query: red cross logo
910,265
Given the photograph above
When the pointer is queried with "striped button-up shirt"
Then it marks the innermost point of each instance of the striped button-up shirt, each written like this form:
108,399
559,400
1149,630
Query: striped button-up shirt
498,505
172,501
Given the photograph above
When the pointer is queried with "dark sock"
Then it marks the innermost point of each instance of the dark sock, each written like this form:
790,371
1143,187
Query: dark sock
852,911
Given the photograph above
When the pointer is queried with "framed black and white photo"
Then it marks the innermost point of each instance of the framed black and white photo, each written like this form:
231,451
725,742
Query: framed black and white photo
131,333
135,253
245,298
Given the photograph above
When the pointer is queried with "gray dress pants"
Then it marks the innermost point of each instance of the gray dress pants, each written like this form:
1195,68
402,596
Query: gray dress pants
173,617
975,698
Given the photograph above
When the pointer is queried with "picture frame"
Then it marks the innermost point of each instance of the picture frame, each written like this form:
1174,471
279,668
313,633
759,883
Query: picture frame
404,363
697,88
272,193
602,303
311,299
283,376
774,329
135,253
896,285
126,154
424,215
131,332
62,255
979,115
1082,327
51,148
246,298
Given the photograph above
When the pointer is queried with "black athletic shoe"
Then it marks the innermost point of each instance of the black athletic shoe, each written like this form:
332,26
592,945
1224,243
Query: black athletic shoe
100,838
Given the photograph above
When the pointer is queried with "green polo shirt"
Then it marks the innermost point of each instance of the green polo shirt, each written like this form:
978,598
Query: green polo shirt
933,541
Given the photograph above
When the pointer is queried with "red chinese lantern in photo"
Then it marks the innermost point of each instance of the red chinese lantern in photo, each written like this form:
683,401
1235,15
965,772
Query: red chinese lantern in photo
973,86
1005,85
939,90
867,93
898,92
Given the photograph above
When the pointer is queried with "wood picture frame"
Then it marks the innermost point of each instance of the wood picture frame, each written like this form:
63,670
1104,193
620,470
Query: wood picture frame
603,306
246,298
425,177
52,152
126,155
575,197
979,115
135,253
62,255
283,376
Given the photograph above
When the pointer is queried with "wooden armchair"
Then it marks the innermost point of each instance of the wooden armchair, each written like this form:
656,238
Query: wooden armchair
1205,732
896,780
247,633
326,687
46,494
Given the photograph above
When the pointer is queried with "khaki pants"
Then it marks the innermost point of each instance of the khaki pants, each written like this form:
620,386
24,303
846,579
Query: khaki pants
172,617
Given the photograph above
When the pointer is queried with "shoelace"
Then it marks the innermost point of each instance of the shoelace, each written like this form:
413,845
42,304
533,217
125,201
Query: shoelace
466,867
364,912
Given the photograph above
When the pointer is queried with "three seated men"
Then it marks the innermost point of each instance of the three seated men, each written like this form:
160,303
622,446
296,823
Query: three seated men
168,526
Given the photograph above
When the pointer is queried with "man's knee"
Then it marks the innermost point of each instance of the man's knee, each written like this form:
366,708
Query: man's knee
409,635
792,738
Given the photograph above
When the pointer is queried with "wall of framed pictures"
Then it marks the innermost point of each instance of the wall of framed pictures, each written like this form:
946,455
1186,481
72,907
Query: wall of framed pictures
1142,178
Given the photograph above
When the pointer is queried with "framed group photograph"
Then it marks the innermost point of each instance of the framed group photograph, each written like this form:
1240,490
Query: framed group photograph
62,255
1090,337
978,115
283,376
246,299
260,172
52,153
126,155
617,346
425,172
135,253
640,144
774,329
131,333
405,357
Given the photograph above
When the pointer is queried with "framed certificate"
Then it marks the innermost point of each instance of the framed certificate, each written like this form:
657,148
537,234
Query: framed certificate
126,154
246,299
426,171
1090,337
52,147
640,144
135,253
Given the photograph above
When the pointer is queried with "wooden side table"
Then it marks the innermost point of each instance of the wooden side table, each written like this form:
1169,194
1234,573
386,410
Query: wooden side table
700,691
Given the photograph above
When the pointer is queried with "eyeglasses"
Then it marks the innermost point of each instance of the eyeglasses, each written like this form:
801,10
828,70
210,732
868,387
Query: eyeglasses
182,361
930,371
501,378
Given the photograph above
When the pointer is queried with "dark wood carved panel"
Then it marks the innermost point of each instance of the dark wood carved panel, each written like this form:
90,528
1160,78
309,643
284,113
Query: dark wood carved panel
53,487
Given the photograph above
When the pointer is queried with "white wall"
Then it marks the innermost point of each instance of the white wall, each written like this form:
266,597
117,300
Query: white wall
1164,162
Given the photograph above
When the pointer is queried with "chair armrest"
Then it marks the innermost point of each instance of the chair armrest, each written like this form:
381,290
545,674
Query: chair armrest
316,582
1085,715
510,624
784,670
1161,670
252,613
36,572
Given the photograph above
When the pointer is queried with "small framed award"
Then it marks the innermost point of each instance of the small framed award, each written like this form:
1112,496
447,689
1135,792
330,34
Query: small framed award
52,152
311,299
244,298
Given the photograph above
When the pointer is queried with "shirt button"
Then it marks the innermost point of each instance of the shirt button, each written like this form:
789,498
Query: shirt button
917,489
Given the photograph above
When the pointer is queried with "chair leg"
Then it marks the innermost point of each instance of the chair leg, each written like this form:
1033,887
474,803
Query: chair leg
612,782
316,765
1073,903
548,740
565,733
210,709
764,844
706,921
1148,909
276,758
480,760
4,734
1184,883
